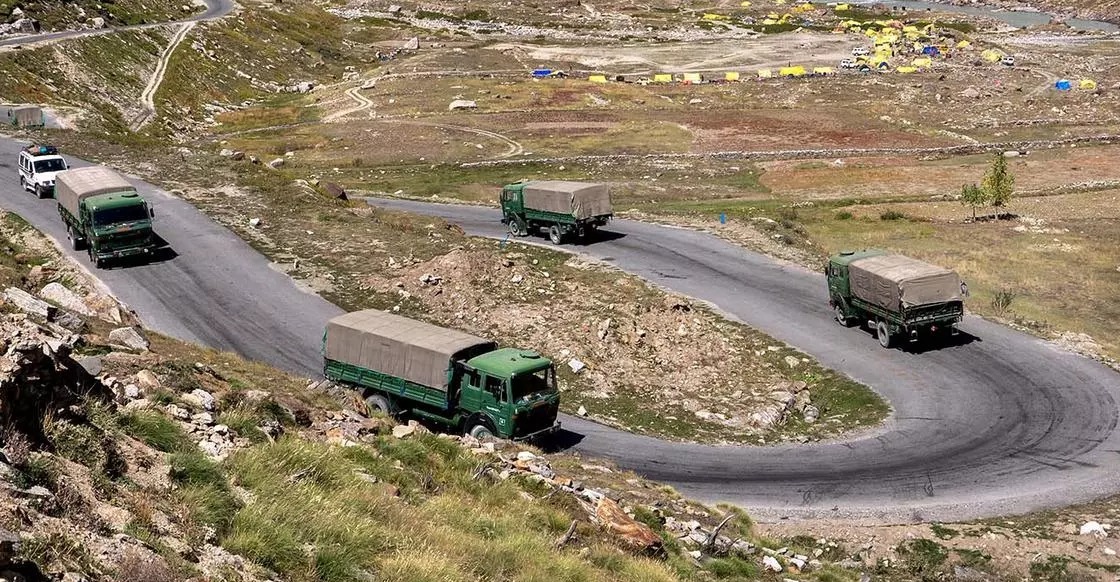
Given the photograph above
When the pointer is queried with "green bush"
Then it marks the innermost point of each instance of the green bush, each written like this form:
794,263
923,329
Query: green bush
892,215
156,430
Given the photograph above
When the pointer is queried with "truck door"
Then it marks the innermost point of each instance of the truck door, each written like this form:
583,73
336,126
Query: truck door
495,403
470,398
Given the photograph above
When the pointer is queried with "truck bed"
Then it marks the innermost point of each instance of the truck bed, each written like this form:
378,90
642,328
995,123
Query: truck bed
951,311
399,387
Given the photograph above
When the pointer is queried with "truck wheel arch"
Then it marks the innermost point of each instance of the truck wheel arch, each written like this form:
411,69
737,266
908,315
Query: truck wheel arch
477,422
381,403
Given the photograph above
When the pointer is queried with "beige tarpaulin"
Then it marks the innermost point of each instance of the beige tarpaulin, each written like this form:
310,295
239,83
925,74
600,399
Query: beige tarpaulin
73,186
416,351
895,282
25,116
580,199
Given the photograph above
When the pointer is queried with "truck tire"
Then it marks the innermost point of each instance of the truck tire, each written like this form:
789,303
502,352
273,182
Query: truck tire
75,242
516,227
481,431
555,235
382,404
883,331
840,317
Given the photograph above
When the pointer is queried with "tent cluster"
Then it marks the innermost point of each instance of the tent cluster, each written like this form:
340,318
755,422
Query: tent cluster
1083,84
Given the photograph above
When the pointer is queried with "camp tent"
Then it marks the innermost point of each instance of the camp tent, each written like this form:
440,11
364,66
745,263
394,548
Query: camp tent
710,16
1087,84
662,78
693,78
794,71
907,69
843,7
922,62
991,55
745,4
732,76
963,44
597,78
765,73
539,73
1063,85
931,50
909,28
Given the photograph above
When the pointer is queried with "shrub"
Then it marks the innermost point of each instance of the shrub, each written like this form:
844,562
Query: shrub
892,215
1001,301
843,215
156,430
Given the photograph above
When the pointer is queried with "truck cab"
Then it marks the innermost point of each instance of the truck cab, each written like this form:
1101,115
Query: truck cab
510,393
38,166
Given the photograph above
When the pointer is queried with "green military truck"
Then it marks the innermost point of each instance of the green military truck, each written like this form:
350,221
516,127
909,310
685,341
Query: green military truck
446,376
104,214
561,208
900,297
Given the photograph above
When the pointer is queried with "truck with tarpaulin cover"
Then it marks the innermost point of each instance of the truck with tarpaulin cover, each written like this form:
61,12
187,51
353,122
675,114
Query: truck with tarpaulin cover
467,383
900,297
104,214
561,208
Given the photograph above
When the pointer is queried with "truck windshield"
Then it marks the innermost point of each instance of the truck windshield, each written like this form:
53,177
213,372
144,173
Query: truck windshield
121,214
50,165
540,381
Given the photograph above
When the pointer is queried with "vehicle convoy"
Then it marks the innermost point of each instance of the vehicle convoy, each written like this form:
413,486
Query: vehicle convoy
404,366
563,208
104,214
900,297
38,167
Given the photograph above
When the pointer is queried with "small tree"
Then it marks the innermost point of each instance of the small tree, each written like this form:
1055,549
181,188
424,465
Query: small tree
999,183
974,196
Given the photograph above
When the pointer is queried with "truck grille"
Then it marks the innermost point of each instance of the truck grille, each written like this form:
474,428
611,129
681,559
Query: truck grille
538,418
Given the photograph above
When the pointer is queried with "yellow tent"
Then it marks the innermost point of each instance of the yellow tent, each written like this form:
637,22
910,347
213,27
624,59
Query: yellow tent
732,76
794,71
823,70
773,15
922,62
871,33
1087,84
769,21
745,4
991,55
710,16
662,78
765,73
692,78
597,79
805,7
843,7
963,44
909,28
907,69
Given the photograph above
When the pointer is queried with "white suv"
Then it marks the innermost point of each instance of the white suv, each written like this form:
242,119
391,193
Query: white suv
37,168
861,51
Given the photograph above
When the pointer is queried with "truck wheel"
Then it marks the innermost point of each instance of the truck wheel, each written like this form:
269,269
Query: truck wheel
841,318
555,235
516,227
883,331
74,244
381,404
481,432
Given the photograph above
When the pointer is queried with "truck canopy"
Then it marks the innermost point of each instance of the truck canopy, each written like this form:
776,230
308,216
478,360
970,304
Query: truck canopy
895,282
73,186
398,346
580,199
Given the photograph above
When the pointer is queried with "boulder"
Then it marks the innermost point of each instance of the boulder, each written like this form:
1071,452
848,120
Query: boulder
460,104
970,93
1093,528
237,156
277,163
97,22
28,303
633,533
9,546
130,338
147,379
132,392
771,563
91,364
335,191
200,398
64,297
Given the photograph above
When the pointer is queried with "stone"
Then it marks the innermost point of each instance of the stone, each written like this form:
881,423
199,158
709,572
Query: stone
335,191
211,449
771,563
970,93
792,362
178,412
695,101
254,222
219,430
582,411
237,156
460,104
576,365
91,364
63,297
695,554
226,153
1093,528
403,431
811,414
394,9
97,22
9,546
200,398
132,392
203,418
277,163
604,329
1108,551
526,457
148,379
633,533
28,303
130,338
75,577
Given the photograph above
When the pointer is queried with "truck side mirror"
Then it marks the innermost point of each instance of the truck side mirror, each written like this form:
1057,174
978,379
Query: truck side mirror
151,212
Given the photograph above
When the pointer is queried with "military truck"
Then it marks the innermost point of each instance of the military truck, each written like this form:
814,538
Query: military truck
467,383
104,214
562,208
901,298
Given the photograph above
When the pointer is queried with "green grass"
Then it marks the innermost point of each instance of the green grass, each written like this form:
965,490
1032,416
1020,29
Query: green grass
156,430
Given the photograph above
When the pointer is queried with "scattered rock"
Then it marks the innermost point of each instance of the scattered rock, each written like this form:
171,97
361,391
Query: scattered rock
970,93
403,431
149,380
582,411
254,222
91,364
97,22
1094,528
771,563
9,546
633,533
178,412
28,303
203,418
129,337
226,153
811,414
277,163
132,392
792,362
237,156
335,191
604,329
576,365
459,104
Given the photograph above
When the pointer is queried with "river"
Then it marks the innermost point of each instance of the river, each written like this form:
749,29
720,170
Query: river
1015,18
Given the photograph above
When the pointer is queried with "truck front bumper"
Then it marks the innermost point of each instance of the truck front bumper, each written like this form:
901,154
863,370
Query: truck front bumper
540,433
125,253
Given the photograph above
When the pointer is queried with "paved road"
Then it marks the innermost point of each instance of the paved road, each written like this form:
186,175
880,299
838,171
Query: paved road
1004,423
1000,422
216,291
214,9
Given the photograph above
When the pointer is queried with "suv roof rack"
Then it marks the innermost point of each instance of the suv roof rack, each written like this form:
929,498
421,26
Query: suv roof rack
42,150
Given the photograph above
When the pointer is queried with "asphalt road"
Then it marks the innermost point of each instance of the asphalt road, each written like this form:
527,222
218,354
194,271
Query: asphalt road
214,9
209,286
997,423
1001,423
